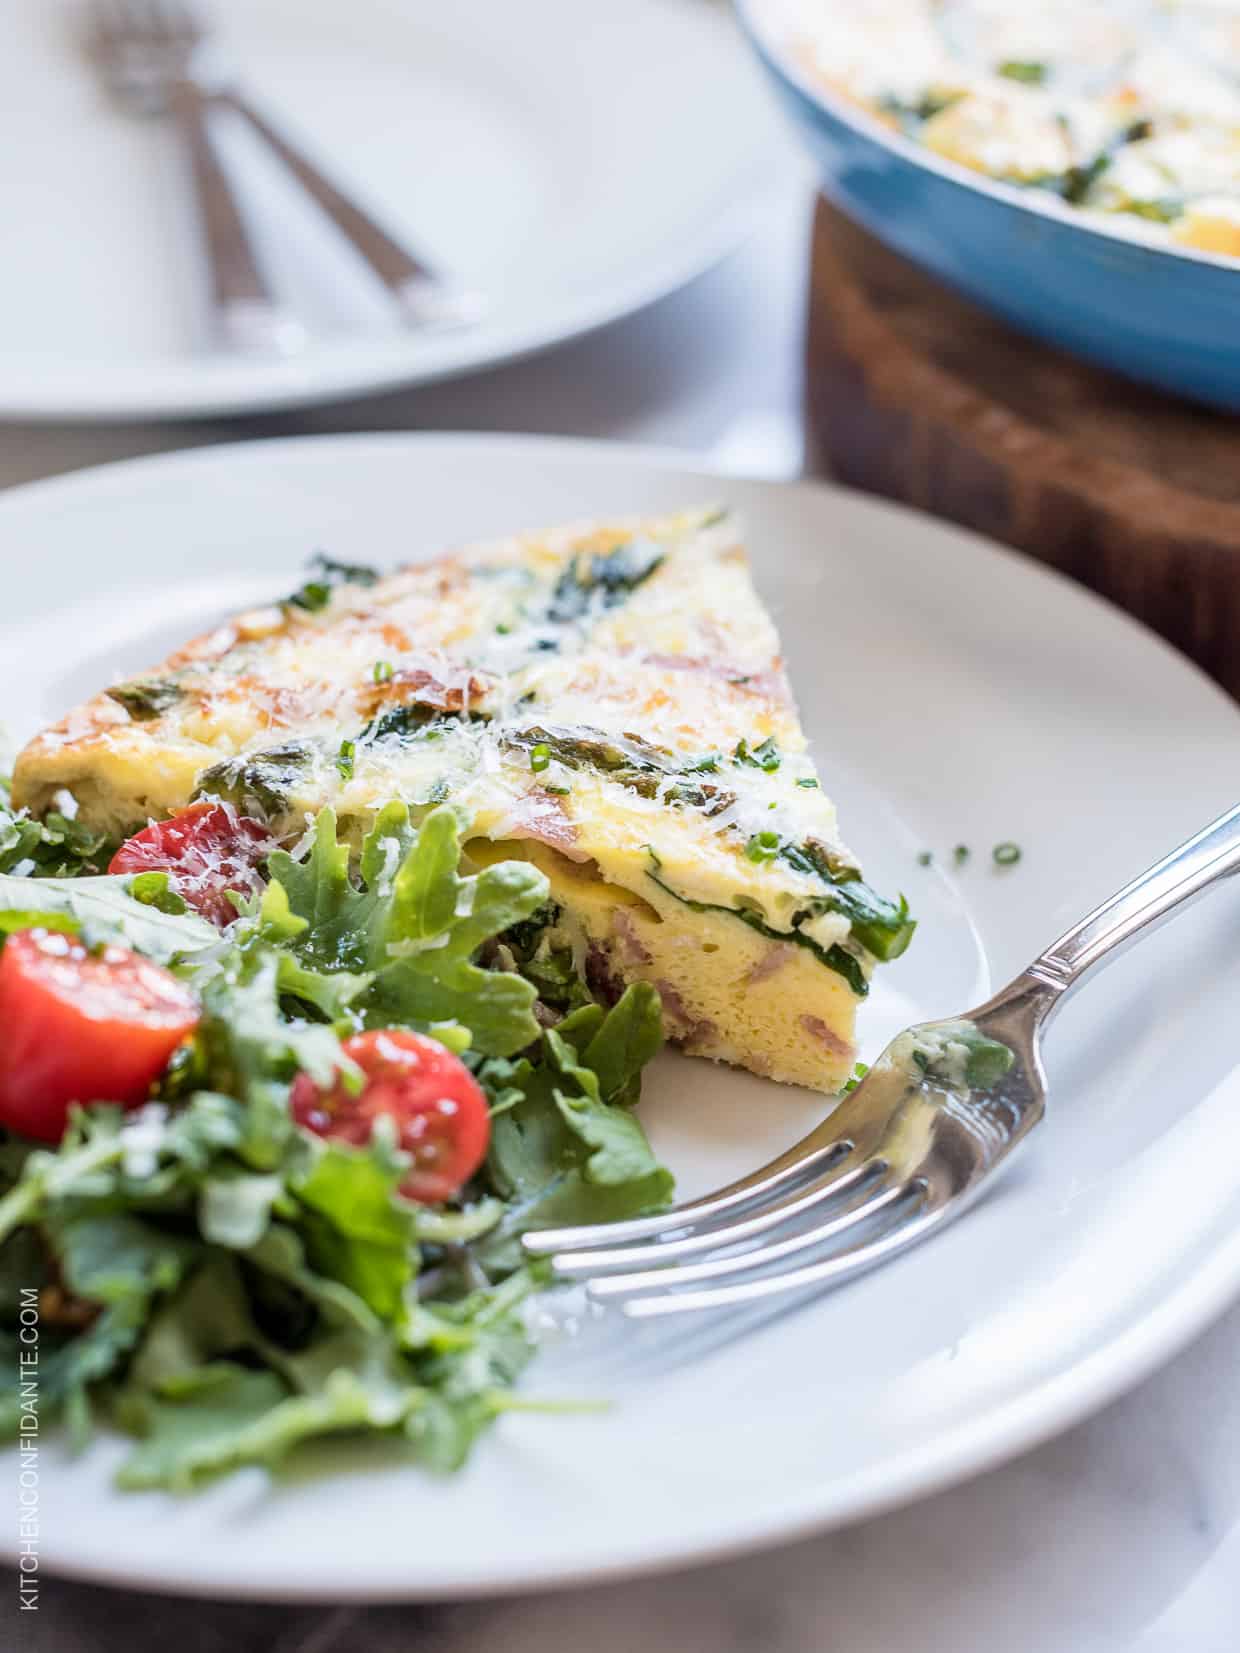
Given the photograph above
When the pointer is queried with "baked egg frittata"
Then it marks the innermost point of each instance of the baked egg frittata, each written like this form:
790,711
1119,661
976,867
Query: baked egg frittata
1125,108
607,702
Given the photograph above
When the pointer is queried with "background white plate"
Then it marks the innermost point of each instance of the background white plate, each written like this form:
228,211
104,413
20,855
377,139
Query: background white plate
953,692
573,162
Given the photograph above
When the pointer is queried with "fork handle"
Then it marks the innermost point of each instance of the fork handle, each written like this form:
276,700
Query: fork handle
1212,854
426,297
245,315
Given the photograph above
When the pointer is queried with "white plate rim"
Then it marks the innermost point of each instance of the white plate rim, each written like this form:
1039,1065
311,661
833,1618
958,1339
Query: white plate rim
272,384
1118,1362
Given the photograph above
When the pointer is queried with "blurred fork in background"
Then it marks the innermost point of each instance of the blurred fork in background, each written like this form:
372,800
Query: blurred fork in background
144,50
151,54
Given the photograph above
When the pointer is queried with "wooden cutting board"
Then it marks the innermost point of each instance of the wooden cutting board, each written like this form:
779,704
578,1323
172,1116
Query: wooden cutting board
916,394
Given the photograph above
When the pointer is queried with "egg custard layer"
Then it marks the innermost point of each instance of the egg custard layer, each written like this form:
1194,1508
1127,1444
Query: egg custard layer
606,701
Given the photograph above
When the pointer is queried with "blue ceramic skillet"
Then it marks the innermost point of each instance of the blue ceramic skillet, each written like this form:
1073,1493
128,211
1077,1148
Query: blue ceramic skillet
1168,316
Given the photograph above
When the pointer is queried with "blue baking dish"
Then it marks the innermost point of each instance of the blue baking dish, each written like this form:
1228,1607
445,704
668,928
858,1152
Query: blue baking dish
1170,317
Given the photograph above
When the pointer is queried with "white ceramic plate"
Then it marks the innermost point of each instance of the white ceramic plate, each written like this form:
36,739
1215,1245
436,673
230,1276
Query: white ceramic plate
571,162
954,692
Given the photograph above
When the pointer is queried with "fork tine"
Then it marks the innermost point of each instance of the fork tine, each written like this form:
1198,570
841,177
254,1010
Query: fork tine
833,1271
610,1352
817,1150
572,1264
719,1268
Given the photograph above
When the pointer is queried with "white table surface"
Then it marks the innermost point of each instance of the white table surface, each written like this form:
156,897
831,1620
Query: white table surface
1123,1534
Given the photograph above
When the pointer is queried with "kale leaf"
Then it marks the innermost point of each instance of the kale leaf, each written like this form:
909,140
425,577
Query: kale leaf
146,698
317,591
602,579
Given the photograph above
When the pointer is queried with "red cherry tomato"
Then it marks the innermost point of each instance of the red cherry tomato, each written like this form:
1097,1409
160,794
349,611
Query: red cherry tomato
77,1026
440,1112
206,850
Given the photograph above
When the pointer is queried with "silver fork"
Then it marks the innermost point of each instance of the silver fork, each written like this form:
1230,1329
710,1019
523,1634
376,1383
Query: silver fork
425,297
144,49
907,1151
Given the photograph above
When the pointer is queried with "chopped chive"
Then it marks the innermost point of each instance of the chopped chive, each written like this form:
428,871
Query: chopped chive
502,630
925,858
1006,854
960,854
383,670
807,781
764,756
857,1075
558,791
763,846
540,757
1025,70
344,759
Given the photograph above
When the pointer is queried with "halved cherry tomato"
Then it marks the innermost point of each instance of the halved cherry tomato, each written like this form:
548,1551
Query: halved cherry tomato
206,850
77,1026
439,1111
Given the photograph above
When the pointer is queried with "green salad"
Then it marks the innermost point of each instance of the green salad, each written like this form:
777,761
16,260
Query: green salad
370,1079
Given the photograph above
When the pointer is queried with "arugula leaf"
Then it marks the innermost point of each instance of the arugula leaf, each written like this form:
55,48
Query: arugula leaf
121,1263
251,1050
467,1354
55,846
414,925
235,1205
108,1257
630,1036
267,1304
230,1416
357,1230
14,919
111,1160
619,1152
347,1373
247,1286
563,1153
105,911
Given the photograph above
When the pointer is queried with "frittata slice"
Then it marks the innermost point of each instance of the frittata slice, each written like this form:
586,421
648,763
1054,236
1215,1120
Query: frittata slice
607,701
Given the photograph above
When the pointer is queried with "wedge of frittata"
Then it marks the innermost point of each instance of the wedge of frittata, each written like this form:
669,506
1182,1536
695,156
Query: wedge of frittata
608,702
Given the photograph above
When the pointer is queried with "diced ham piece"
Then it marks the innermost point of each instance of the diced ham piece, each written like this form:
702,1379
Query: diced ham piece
629,943
818,1029
771,684
682,1026
541,816
775,958
452,691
